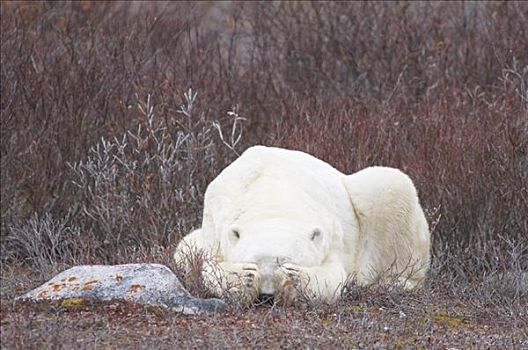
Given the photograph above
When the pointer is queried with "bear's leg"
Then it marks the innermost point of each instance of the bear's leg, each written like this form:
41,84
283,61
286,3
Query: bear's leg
410,282
190,245
320,282
238,280
407,275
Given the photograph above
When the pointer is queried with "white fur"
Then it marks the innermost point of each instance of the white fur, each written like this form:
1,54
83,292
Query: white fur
283,222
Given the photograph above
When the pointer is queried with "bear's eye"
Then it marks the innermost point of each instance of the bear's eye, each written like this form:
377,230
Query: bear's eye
235,233
316,234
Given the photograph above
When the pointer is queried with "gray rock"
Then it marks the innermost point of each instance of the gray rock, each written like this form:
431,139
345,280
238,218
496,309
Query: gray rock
146,284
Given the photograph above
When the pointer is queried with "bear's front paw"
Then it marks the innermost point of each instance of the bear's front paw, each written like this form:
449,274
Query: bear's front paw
292,281
249,275
243,280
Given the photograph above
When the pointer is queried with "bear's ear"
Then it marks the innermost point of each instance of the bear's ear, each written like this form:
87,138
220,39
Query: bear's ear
316,236
234,233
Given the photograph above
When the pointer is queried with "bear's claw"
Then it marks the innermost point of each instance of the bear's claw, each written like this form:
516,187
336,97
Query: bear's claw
243,281
290,281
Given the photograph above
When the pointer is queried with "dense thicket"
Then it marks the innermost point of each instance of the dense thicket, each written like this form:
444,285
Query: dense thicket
115,116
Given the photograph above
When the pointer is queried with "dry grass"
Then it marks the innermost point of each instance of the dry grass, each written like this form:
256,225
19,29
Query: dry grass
444,314
107,151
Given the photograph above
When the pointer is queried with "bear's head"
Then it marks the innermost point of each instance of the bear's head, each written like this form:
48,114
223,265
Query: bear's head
273,242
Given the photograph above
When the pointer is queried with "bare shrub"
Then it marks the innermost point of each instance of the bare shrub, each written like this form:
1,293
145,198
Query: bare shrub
48,244
143,189
371,49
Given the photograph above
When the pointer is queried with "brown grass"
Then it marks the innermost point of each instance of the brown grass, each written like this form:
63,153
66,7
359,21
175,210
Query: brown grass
106,152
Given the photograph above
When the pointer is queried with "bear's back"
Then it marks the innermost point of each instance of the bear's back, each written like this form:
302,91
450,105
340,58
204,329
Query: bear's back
290,162
267,179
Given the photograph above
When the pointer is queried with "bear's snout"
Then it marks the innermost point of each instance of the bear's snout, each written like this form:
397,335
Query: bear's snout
268,267
267,279
266,298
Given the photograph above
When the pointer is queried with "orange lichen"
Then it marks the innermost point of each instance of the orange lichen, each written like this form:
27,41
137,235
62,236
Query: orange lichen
88,286
119,278
72,278
135,288
42,294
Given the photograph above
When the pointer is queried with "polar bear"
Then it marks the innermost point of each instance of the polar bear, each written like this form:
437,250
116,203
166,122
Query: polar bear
283,223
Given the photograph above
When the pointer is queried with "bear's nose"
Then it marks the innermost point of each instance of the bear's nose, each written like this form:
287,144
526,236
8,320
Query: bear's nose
265,298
